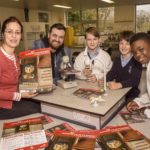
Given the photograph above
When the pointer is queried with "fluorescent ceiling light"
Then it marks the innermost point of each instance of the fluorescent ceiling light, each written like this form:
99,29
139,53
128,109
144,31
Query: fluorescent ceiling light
108,1
62,6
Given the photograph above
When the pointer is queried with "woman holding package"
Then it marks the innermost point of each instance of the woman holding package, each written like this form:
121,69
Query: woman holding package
11,103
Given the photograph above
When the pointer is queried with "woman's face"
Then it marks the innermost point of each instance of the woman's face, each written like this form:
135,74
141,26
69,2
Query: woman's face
92,41
12,34
141,51
124,47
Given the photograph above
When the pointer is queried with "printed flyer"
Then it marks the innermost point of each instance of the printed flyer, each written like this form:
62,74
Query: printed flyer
122,138
72,140
36,71
24,134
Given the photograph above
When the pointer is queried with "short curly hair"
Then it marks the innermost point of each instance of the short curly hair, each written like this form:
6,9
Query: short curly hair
140,36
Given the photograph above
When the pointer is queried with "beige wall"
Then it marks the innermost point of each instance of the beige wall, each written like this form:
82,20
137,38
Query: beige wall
54,16
57,16
6,12
124,18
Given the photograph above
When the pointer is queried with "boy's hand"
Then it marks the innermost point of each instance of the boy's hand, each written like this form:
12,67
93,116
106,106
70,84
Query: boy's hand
101,82
87,72
114,85
92,78
131,106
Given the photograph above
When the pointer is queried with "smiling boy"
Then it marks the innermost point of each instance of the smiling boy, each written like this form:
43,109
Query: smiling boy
126,71
94,56
140,45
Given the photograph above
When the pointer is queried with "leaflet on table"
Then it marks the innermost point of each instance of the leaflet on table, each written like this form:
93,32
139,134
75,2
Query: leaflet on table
70,140
36,71
122,138
87,93
25,134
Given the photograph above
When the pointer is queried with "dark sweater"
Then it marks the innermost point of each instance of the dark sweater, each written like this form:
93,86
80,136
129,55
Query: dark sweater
128,76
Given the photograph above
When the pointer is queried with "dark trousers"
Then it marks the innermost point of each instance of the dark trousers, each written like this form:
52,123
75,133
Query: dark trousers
20,109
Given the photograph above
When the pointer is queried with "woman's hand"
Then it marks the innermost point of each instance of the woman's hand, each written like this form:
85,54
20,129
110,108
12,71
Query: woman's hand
131,106
28,94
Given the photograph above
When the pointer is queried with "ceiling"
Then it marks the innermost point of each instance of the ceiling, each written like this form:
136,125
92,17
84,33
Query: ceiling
75,4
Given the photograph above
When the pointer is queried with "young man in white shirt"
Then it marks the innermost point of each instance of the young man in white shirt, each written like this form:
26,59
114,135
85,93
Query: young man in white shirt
93,61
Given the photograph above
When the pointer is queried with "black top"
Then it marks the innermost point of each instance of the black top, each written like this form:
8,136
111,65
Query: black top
128,76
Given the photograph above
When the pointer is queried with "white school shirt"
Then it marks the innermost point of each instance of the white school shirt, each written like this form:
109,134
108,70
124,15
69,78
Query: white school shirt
144,99
97,63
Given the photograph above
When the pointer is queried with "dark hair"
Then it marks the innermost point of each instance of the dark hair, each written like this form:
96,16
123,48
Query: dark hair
126,35
140,36
58,26
148,32
93,31
9,20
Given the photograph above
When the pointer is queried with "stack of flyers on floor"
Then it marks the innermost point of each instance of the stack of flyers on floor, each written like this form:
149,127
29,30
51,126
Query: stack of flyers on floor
111,138
122,138
73,140
136,116
63,126
46,119
25,134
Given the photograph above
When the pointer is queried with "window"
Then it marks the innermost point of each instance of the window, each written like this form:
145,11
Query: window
142,18
106,19
88,19
73,19
102,18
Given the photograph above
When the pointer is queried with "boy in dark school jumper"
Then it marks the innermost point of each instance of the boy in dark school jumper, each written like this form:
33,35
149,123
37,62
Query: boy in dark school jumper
126,71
